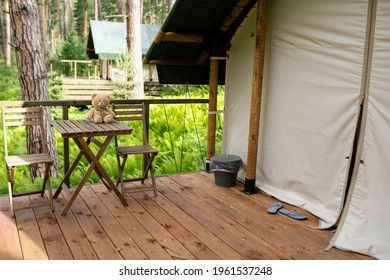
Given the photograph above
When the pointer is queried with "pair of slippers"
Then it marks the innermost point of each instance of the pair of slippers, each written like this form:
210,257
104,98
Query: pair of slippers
278,207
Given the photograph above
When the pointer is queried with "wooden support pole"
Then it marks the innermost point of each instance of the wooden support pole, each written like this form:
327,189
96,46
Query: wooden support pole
257,85
213,92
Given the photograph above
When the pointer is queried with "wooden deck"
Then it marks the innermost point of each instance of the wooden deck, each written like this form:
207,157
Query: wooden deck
191,218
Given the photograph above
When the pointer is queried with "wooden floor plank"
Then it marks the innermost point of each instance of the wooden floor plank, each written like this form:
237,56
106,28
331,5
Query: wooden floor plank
76,239
123,243
94,232
245,243
258,222
191,218
304,229
55,243
155,207
205,236
175,249
10,247
31,241
135,229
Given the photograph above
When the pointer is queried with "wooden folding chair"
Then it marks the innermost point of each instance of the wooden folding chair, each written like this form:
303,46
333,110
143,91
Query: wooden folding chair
134,112
27,117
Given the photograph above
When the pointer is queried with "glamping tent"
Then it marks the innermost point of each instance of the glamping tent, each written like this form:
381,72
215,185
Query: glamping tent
324,113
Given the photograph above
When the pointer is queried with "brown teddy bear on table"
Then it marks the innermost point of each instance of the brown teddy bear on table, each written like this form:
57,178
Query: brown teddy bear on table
100,112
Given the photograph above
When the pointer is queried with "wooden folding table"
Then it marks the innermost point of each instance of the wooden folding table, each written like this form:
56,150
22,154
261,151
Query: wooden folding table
83,132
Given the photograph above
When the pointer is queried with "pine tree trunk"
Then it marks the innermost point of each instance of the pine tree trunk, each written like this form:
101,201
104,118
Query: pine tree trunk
66,19
42,20
134,44
59,15
2,31
5,33
97,9
85,29
120,11
32,72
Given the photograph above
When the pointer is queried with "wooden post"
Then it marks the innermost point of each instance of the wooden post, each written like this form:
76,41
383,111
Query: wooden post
211,127
65,116
257,85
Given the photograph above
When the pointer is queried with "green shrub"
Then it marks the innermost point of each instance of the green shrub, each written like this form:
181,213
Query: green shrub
56,89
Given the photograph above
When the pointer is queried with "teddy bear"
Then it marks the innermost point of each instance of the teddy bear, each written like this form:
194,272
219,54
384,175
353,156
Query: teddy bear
100,112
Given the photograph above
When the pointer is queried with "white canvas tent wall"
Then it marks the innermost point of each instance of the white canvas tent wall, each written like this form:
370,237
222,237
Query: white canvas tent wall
322,56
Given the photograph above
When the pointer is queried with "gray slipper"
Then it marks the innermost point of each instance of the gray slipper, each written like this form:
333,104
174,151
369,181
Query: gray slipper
274,207
293,214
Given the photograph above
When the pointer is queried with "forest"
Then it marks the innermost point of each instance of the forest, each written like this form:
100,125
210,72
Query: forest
63,19
178,131
64,25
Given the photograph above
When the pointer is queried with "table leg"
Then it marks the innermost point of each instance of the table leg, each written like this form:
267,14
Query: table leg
78,189
67,175
69,172
99,168
94,165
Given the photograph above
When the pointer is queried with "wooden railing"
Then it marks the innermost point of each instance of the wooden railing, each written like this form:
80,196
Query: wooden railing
66,104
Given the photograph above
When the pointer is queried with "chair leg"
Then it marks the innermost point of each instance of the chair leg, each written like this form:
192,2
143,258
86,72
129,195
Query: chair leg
153,180
44,180
118,163
47,181
149,166
10,175
121,168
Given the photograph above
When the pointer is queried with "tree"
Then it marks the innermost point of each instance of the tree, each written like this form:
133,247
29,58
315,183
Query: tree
120,10
5,33
81,17
43,23
133,25
66,19
30,57
98,9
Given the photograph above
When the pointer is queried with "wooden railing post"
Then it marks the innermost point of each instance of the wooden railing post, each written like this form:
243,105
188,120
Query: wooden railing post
146,132
213,93
65,116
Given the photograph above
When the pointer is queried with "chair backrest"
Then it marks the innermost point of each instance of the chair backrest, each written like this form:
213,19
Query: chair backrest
132,112
29,117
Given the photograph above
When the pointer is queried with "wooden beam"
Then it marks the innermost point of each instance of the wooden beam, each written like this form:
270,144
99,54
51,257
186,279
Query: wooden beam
174,61
211,127
233,15
203,56
159,36
174,37
177,37
257,86
182,37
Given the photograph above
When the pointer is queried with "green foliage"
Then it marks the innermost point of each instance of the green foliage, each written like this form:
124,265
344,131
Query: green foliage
56,90
71,49
9,82
124,78
154,12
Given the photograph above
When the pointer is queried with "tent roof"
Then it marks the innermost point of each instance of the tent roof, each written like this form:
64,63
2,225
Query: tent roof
193,31
107,40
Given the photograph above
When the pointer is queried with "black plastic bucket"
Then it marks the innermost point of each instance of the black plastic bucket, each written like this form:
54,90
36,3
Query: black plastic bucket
225,168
